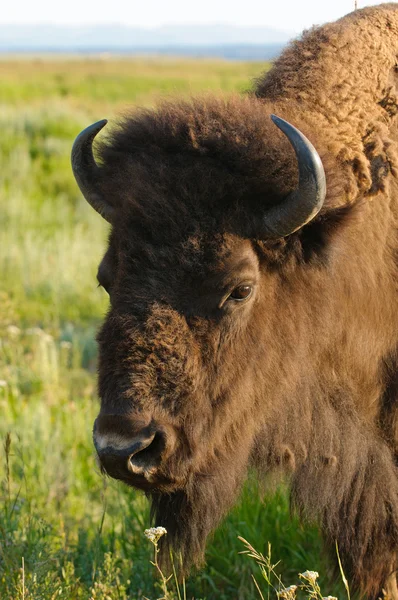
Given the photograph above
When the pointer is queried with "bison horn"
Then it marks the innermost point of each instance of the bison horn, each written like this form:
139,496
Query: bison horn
86,170
300,206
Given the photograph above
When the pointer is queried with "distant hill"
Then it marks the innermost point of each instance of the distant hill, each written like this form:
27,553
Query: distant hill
193,40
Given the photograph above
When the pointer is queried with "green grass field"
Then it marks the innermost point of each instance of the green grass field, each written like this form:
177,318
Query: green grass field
64,531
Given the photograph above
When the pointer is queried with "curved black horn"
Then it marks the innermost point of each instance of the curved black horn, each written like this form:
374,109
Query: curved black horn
86,170
307,200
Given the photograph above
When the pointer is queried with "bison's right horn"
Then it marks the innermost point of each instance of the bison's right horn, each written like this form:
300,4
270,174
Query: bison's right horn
304,203
87,172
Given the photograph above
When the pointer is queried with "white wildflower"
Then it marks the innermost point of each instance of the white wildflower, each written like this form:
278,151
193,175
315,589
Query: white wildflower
154,534
310,576
288,593
329,598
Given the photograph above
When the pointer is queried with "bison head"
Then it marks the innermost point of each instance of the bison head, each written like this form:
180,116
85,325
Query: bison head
201,197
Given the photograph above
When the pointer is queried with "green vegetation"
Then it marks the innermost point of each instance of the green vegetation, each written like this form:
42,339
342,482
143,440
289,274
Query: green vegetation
64,531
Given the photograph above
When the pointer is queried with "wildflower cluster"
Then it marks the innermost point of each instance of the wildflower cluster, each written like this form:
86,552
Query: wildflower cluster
154,534
308,585
310,576
288,593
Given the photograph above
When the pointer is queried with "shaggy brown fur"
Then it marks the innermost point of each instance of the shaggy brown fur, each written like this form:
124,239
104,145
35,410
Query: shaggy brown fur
302,377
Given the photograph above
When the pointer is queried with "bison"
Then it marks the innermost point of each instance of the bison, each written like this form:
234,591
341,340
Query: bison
253,320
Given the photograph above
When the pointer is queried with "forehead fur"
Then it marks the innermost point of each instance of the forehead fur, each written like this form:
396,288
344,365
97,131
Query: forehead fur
211,161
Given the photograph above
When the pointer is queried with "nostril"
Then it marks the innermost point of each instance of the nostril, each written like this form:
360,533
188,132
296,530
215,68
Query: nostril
147,456
131,452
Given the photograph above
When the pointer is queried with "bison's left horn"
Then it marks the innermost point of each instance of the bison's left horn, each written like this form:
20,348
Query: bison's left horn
306,201
87,172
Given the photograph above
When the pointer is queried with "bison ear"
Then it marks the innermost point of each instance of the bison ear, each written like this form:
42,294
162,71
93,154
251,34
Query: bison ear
304,203
86,171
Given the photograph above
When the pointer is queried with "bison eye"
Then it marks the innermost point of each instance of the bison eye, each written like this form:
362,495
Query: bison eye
240,293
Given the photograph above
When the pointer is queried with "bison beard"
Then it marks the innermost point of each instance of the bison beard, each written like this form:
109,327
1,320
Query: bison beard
199,384
191,514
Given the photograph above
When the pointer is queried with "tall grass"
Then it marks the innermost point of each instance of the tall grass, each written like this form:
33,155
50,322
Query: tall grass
65,532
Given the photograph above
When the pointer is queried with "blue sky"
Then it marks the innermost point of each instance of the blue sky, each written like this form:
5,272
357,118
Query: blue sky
288,15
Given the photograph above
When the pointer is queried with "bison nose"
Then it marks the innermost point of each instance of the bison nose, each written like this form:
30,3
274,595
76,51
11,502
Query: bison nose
124,454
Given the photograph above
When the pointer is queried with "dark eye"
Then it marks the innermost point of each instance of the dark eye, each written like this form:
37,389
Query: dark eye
242,292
